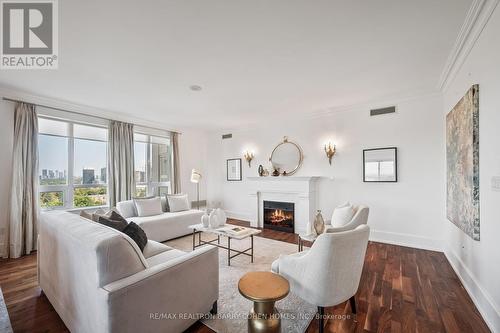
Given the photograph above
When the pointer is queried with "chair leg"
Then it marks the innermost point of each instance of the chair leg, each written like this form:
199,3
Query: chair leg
214,308
321,323
352,301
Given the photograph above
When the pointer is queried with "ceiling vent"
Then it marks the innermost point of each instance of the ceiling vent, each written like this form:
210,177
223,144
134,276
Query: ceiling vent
378,112
227,136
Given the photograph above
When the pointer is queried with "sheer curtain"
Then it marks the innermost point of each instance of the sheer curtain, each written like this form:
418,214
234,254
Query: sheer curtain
23,218
176,184
120,162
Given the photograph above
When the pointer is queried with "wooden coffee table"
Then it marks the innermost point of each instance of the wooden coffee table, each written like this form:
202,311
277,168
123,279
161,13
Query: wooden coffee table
264,289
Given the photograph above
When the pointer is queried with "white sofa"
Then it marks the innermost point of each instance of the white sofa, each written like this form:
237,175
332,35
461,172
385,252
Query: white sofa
98,280
164,226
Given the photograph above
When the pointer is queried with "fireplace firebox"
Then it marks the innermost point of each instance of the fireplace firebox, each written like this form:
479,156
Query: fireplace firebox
279,216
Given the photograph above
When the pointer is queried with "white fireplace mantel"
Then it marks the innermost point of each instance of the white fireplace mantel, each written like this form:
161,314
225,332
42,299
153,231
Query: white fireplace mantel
302,191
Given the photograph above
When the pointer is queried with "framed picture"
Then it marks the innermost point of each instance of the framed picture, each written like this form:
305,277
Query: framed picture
234,169
380,165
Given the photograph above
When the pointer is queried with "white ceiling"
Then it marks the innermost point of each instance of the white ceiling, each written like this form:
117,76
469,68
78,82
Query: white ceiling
252,58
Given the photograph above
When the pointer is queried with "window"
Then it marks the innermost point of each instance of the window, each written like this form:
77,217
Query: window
153,165
73,164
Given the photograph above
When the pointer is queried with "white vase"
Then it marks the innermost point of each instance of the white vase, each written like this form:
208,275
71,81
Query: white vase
213,220
221,216
205,220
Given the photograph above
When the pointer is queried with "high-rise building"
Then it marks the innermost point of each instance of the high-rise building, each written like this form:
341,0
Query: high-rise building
88,176
44,174
51,174
103,175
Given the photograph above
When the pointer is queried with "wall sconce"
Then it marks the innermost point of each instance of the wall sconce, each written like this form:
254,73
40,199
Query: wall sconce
330,151
248,155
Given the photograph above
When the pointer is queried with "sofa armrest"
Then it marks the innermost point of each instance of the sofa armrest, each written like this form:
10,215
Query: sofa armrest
184,285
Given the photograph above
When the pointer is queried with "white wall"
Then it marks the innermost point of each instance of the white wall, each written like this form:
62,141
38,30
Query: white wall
6,142
408,212
193,155
478,262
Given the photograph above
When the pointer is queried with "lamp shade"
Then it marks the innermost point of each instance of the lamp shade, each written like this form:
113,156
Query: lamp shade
195,176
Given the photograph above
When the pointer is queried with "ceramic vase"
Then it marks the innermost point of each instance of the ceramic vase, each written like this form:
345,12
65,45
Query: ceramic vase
205,220
221,216
319,223
213,221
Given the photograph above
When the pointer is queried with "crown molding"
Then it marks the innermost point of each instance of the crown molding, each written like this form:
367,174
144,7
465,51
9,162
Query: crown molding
477,17
16,94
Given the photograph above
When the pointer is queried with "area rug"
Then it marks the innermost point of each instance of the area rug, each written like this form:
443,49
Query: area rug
233,308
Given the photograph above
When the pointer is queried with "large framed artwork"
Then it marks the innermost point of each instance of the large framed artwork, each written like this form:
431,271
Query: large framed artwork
462,163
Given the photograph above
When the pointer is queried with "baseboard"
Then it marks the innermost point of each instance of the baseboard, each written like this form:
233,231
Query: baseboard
406,240
483,301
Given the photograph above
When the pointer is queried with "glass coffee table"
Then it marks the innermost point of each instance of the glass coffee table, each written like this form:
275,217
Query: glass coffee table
231,232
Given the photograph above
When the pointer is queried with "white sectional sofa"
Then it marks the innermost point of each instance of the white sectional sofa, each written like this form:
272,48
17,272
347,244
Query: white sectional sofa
98,280
164,226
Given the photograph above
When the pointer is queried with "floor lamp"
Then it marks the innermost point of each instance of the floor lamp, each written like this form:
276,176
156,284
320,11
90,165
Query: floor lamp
195,178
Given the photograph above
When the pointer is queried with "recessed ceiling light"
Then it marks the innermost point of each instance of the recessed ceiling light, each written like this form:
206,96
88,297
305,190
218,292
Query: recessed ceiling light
195,88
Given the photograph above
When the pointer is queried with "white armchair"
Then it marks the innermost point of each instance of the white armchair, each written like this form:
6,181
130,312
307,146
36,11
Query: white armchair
360,217
329,273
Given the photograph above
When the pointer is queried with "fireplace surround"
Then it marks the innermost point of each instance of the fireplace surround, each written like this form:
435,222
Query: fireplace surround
301,191
279,215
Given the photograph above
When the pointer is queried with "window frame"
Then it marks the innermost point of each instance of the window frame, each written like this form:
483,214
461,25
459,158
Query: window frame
69,188
153,187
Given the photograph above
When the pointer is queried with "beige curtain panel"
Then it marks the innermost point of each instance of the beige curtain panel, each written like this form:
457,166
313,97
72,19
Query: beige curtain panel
176,185
120,162
23,218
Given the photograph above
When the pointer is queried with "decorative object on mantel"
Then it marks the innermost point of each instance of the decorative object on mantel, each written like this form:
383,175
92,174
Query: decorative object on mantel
249,155
319,223
276,173
462,164
195,178
286,157
261,170
233,169
380,165
330,151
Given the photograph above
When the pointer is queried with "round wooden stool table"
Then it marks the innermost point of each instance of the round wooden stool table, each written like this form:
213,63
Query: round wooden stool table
264,289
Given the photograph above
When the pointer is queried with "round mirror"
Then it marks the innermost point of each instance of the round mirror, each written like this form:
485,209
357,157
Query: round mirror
286,157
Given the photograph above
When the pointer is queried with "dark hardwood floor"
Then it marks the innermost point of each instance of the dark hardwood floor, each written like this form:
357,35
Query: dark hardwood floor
401,290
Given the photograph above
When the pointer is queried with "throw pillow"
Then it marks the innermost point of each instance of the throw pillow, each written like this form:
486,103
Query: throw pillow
114,220
137,234
86,215
148,207
178,202
342,215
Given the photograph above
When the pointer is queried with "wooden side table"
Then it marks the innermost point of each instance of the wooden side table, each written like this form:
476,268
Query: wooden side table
264,289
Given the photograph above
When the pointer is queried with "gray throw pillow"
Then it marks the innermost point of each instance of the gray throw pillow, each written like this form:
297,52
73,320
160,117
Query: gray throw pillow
114,220
137,234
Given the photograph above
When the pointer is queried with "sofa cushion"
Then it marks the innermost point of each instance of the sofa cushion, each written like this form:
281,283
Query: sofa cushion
164,257
148,207
153,248
178,202
168,225
126,208
137,234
